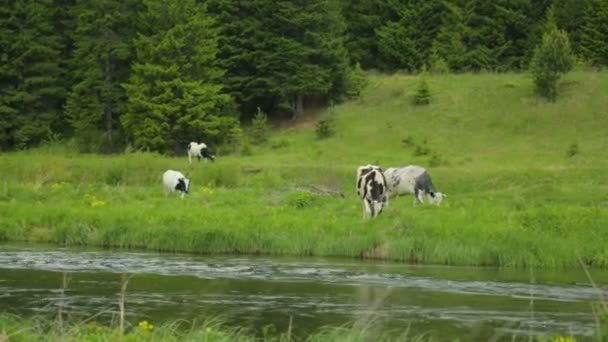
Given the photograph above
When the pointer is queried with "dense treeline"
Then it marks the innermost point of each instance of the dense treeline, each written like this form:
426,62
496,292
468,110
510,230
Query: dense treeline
157,74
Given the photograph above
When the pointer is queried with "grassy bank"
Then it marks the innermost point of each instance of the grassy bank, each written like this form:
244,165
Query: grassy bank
14,328
525,178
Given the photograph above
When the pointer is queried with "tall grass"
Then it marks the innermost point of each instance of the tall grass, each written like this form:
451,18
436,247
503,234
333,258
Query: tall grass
518,196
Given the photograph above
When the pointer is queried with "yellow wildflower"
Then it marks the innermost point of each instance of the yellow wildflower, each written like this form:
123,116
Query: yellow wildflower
564,339
97,203
146,325
208,329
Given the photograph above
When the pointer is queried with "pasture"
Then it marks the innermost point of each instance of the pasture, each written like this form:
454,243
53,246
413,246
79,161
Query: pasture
525,179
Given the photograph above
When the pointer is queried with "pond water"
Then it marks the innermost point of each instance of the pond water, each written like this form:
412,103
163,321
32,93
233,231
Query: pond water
473,303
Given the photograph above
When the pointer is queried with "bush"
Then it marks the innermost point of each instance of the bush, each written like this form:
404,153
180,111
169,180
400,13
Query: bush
356,81
552,58
301,200
423,93
326,127
572,150
259,128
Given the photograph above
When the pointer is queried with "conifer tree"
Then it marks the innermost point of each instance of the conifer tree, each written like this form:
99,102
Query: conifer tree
552,58
278,53
31,92
362,18
448,45
407,42
594,33
175,91
104,30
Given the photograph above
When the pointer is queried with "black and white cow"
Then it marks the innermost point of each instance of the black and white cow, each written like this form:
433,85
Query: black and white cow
175,181
199,151
371,188
412,179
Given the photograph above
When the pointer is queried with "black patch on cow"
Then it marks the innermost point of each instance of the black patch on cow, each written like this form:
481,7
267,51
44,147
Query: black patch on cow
181,185
424,183
396,181
207,154
377,188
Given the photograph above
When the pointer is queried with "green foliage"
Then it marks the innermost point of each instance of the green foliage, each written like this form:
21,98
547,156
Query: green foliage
594,33
356,81
174,90
406,42
552,58
103,35
448,46
438,64
326,127
423,93
260,128
301,200
31,89
363,17
572,150
282,54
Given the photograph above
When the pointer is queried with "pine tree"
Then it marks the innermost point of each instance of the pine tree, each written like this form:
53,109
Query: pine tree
407,42
175,91
448,45
31,92
552,58
594,33
279,53
571,16
362,18
103,33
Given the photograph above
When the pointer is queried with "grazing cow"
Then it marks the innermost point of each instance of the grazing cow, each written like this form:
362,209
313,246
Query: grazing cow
412,180
371,188
175,181
199,151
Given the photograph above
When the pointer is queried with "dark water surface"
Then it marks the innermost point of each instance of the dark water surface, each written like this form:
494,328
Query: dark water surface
471,302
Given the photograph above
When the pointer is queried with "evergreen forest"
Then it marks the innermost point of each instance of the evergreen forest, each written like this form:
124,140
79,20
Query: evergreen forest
110,75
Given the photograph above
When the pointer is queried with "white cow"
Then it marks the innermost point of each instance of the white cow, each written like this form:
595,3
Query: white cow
412,179
175,181
199,151
371,188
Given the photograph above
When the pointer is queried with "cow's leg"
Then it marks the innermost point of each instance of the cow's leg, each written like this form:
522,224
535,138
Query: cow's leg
379,207
369,210
419,196
365,210
189,157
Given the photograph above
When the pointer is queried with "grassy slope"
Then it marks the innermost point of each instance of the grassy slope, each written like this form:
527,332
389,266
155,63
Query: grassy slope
515,197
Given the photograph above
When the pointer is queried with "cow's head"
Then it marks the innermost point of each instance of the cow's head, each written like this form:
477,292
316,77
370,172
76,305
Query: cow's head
183,184
437,197
207,155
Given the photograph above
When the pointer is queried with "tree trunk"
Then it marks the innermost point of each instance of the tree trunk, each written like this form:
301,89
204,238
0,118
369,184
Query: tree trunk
107,108
298,106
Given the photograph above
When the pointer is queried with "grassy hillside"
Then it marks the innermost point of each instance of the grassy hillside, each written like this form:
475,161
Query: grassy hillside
525,179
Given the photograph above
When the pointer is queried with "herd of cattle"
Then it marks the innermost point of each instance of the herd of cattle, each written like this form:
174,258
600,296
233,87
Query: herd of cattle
374,185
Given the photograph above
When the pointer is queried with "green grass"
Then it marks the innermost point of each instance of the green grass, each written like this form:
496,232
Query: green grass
519,194
17,329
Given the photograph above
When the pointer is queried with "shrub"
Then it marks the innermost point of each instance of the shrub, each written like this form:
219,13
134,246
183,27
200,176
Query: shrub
326,127
259,128
408,141
572,150
422,149
300,200
435,160
423,93
356,80
552,58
